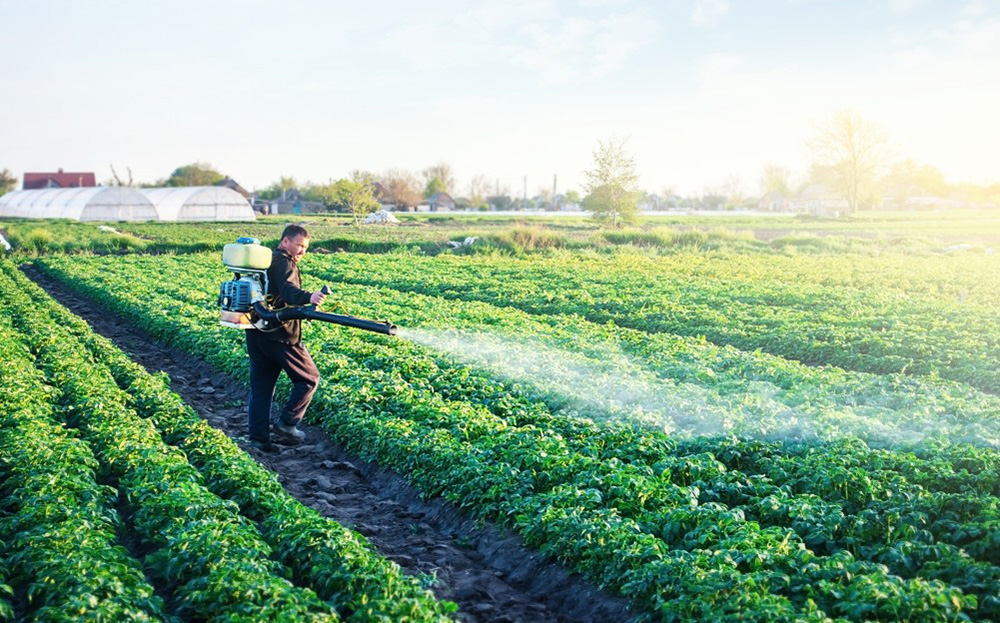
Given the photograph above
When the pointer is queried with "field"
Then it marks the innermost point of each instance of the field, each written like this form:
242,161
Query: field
699,419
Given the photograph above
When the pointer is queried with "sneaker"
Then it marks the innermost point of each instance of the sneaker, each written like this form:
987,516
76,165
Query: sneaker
264,446
289,430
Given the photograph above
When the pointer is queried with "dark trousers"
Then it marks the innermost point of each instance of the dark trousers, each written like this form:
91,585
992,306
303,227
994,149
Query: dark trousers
267,360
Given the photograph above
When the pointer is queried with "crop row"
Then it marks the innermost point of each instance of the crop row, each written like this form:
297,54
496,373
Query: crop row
875,473
60,525
770,391
733,391
337,563
198,542
872,330
320,553
529,473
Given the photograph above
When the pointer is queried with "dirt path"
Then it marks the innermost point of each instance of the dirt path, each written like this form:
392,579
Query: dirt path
487,572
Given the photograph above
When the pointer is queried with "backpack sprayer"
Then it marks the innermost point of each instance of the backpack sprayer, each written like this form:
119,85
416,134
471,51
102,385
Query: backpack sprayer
243,301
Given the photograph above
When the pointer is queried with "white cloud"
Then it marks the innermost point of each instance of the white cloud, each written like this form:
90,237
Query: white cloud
976,8
905,6
561,51
709,12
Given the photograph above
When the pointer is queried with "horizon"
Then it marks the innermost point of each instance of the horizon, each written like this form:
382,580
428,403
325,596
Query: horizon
705,91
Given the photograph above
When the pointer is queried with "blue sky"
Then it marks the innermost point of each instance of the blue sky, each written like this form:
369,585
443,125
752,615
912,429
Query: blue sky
706,92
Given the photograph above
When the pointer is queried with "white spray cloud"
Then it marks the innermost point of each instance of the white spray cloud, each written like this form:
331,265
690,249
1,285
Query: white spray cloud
613,387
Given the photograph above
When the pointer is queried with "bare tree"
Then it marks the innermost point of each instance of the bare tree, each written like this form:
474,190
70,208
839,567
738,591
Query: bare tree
735,194
849,153
775,179
401,188
479,189
118,180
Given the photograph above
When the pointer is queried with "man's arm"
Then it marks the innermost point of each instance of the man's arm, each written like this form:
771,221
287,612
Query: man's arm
286,280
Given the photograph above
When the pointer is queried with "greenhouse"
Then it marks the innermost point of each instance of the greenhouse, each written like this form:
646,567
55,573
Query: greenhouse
118,203
199,203
100,203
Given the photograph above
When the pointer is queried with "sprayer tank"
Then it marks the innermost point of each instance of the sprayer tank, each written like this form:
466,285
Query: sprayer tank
249,255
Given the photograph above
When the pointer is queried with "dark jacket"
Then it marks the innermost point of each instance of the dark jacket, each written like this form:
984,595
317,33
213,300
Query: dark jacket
284,287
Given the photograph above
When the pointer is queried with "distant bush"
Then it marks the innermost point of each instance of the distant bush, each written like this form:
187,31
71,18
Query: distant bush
37,240
691,239
521,239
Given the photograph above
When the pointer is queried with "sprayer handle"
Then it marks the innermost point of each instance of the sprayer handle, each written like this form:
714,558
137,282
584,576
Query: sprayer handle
325,289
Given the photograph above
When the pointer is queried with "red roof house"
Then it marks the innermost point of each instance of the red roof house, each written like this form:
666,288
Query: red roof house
59,179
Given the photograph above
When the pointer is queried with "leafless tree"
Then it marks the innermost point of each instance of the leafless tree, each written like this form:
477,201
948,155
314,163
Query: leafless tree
849,154
118,180
401,188
479,189
775,179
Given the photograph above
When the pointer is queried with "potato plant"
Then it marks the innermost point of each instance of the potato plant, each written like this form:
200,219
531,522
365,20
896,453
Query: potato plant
59,523
673,528
216,561
873,328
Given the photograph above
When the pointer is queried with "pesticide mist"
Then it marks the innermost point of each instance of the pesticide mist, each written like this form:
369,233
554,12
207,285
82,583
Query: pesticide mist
614,387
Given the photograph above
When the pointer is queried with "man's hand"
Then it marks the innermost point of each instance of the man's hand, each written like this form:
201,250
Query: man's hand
317,297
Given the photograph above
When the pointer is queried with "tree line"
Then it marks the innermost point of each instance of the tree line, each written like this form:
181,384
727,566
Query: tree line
851,160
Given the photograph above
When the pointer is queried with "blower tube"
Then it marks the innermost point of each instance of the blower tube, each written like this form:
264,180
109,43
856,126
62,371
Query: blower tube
308,312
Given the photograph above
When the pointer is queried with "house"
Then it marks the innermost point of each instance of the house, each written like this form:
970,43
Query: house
231,184
819,200
774,202
292,201
565,205
59,179
440,202
912,197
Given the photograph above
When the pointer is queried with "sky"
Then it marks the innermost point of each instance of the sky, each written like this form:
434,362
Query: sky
704,92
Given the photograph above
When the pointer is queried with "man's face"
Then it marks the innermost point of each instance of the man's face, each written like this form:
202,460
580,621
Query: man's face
295,246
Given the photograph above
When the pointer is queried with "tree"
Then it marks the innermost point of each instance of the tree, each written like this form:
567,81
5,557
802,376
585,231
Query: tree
284,183
194,174
849,153
438,179
543,198
360,195
479,189
775,179
908,179
8,181
572,196
733,190
433,187
501,202
400,188
612,191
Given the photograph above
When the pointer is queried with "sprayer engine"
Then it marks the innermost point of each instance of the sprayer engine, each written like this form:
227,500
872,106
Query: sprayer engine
248,261
243,299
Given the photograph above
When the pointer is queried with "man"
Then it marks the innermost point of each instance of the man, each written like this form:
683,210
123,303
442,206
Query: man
281,349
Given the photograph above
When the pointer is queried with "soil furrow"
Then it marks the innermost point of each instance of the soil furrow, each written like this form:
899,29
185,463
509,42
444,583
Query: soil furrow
486,571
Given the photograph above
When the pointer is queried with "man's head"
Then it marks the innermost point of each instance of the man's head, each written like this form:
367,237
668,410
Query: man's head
294,241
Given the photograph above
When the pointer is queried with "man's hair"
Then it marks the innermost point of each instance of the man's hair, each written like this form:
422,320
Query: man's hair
293,230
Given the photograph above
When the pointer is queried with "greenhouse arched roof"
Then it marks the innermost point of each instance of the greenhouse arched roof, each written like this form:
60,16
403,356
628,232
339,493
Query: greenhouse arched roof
199,203
96,203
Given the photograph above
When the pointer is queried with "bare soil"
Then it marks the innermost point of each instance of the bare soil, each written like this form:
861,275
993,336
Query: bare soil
487,571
